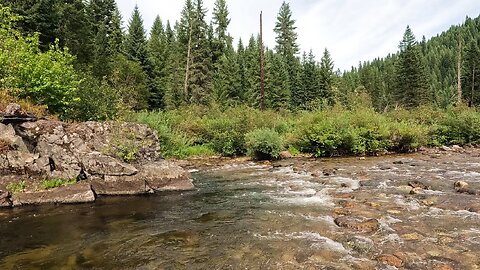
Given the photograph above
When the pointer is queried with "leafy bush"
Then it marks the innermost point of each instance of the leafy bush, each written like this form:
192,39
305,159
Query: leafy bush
44,78
263,144
460,126
98,101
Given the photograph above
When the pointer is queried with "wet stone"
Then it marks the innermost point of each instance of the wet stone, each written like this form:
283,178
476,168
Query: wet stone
391,260
417,184
367,226
360,244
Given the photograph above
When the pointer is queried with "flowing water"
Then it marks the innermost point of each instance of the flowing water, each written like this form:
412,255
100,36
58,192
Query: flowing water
264,216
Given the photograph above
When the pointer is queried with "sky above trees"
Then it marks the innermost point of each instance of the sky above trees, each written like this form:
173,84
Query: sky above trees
352,30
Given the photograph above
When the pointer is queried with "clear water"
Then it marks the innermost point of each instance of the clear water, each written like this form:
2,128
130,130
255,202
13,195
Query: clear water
252,216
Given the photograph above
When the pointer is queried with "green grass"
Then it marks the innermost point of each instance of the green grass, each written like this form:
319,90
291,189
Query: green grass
54,183
16,187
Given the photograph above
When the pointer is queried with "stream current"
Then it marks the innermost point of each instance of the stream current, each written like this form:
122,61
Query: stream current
280,215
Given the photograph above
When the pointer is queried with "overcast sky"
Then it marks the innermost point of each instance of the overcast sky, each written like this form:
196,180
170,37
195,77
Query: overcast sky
352,30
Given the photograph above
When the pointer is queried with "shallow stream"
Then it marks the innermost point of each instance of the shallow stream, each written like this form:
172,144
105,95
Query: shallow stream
267,216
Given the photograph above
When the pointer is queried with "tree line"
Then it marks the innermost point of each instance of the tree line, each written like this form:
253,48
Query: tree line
194,62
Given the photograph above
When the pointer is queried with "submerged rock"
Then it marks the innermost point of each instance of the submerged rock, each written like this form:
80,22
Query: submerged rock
460,185
367,226
391,260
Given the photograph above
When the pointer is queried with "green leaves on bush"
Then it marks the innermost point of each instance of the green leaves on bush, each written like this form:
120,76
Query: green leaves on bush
263,144
47,78
334,131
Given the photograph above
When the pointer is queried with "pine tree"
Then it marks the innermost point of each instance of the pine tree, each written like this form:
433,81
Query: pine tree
309,86
38,16
221,21
412,84
252,73
175,69
326,76
287,47
227,80
199,81
471,69
277,89
105,34
242,69
286,36
74,30
135,45
157,53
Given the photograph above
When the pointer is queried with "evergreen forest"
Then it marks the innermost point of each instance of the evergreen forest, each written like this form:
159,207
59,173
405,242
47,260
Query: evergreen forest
201,92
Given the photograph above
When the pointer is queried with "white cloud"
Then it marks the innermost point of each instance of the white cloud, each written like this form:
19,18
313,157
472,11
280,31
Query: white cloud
353,30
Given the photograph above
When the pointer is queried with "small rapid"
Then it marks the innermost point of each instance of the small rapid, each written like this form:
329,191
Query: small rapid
340,213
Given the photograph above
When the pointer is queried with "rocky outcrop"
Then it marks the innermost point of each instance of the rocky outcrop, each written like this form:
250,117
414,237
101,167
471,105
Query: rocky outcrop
79,193
109,158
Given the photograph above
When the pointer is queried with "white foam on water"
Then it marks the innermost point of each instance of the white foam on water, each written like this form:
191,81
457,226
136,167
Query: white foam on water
239,166
326,219
411,205
307,200
382,185
193,170
385,223
393,238
351,183
471,174
317,240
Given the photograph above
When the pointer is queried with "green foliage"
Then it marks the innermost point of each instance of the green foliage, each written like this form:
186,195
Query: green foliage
130,81
45,78
411,79
98,101
17,187
54,183
263,144
339,132
459,126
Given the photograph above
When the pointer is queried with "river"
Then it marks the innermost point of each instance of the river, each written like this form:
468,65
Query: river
283,215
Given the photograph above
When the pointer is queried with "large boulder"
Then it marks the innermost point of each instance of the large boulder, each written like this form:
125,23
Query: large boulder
119,185
79,193
98,164
9,136
109,158
166,176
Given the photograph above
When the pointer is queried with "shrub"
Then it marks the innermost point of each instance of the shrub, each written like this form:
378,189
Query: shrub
460,126
263,144
98,101
45,78
408,136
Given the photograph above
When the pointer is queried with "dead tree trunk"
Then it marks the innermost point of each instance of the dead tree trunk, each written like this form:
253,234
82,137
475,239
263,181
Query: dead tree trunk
473,87
262,72
187,68
459,72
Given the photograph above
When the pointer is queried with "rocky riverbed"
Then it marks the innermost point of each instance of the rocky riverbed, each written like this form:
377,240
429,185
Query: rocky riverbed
416,211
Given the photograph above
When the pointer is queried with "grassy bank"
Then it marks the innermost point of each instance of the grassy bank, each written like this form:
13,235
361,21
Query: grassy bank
199,131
